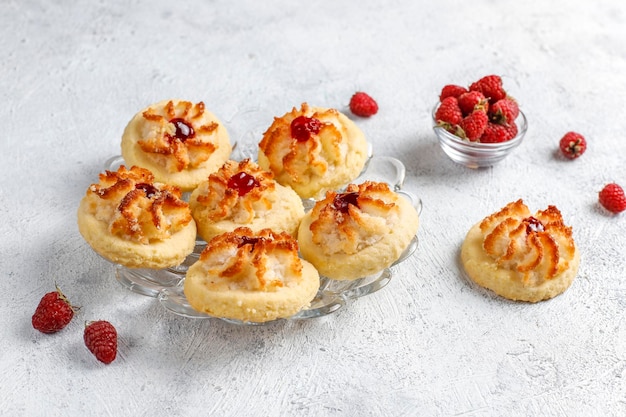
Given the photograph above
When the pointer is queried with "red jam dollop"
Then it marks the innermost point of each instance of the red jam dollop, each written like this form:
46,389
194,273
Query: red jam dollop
342,201
533,225
302,127
248,240
243,183
184,130
149,189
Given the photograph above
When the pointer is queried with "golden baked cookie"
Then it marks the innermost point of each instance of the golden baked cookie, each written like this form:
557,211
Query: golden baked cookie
251,277
242,194
358,232
133,221
521,256
180,142
313,150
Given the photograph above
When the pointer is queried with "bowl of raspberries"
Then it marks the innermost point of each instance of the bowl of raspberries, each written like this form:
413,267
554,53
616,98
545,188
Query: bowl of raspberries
479,125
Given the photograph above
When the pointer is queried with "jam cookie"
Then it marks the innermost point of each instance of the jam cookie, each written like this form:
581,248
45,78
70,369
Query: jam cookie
242,194
180,142
359,232
131,220
520,255
313,150
251,277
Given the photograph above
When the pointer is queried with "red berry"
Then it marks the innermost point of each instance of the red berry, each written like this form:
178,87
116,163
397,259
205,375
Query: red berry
451,90
469,101
491,87
504,111
448,113
473,126
612,198
101,340
573,145
495,133
363,105
53,313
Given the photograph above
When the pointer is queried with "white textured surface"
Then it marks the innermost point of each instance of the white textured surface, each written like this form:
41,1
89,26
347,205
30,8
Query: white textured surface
430,343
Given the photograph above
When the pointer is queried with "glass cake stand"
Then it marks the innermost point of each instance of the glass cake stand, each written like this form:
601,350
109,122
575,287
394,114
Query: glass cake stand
331,296
167,284
150,282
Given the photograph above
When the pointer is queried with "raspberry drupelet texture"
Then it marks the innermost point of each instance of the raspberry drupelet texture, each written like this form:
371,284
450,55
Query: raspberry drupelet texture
53,313
101,339
612,198
361,104
573,145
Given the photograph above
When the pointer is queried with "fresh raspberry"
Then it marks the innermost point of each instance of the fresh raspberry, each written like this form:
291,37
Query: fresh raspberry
449,113
491,87
469,101
473,126
53,313
495,133
363,105
101,340
451,90
573,145
504,111
612,198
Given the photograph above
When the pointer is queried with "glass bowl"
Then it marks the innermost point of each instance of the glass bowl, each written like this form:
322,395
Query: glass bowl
476,154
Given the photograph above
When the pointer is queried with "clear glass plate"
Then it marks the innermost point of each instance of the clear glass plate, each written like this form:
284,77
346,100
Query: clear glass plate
331,296
150,282
166,284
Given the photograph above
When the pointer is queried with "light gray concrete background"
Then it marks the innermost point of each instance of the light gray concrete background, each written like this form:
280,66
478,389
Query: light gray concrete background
431,343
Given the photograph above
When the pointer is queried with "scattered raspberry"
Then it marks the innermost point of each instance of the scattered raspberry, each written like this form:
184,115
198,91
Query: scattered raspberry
496,133
451,90
573,145
101,340
53,313
491,87
472,100
449,113
504,111
473,126
612,198
363,105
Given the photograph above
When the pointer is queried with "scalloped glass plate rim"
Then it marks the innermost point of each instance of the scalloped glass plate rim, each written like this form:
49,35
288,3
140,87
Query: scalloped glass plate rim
173,298
333,299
